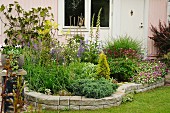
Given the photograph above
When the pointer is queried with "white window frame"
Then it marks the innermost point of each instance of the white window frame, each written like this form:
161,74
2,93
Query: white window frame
0,27
61,18
87,24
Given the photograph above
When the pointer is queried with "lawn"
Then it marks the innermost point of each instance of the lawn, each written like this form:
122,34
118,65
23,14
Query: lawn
153,101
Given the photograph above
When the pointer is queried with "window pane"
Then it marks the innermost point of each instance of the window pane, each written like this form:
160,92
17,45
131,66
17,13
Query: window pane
74,12
104,17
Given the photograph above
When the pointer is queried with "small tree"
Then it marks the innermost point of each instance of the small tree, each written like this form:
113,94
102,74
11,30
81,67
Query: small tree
103,69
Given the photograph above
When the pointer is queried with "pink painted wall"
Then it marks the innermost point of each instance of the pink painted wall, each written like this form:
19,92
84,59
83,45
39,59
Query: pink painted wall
157,11
28,4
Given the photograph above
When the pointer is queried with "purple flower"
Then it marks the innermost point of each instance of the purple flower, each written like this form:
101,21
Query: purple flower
80,51
35,46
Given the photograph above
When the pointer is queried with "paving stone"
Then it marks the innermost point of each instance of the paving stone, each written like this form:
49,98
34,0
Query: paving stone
117,103
49,100
108,105
74,107
61,107
75,100
64,100
87,101
109,100
90,107
49,107
118,97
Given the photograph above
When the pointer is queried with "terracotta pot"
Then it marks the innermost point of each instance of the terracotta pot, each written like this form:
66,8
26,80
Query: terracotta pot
20,60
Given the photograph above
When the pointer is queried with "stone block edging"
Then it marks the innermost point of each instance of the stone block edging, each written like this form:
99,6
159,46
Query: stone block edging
80,102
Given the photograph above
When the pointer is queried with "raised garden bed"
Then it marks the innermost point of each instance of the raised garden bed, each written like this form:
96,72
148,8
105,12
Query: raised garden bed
79,102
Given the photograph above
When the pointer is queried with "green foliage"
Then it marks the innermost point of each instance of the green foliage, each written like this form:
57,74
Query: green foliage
149,72
82,70
70,50
122,47
93,88
33,28
128,98
126,42
166,59
123,69
50,77
13,55
92,47
103,69
56,77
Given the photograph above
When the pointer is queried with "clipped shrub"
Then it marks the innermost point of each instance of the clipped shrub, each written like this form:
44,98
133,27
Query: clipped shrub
77,86
103,69
123,69
124,46
93,88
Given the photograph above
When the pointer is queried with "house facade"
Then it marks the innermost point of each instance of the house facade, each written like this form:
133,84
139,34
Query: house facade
118,17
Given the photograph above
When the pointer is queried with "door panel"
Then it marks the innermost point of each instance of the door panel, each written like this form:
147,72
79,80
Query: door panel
132,18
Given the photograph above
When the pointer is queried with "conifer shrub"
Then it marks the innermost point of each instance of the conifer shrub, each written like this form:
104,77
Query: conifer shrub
103,69
93,88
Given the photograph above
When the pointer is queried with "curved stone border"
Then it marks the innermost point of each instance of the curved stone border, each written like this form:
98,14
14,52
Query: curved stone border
80,102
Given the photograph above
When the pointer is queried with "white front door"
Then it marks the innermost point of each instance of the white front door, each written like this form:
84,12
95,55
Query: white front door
132,18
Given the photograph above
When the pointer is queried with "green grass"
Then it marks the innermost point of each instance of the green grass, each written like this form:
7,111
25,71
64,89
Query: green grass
153,101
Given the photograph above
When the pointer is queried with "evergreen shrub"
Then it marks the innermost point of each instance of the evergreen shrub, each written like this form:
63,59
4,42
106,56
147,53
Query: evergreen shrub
93,88
103,69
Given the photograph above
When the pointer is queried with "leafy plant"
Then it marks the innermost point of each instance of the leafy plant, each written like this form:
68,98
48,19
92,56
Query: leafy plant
123,69
91,48
33,28
50,77
70,50
13,55
103,69
161,37
93,88
82,70
123,47
149,72
166,59
128,98
12,96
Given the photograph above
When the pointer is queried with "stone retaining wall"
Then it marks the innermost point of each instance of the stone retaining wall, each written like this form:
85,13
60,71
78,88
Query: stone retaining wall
80,102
